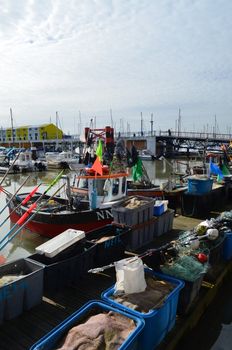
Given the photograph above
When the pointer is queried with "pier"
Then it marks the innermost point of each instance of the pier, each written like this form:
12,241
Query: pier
170,142
21,333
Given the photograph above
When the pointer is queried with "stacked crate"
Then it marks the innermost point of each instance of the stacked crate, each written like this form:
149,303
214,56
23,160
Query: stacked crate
140,218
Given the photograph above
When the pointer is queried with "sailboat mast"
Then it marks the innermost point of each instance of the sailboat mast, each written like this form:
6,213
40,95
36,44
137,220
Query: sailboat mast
12,127
56,130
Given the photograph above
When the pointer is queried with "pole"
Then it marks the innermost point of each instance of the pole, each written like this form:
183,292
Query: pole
151,124
12,128
56,130
9,169
111,119
32,193
141,124
14,195
21,220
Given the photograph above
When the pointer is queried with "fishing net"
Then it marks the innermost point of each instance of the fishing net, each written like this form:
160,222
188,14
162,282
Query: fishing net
185,267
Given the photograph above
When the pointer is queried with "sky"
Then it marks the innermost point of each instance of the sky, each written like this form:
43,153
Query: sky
112,60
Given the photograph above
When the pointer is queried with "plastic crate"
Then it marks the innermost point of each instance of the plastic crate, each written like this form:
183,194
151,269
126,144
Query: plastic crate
50,341
164,222
199,185
216,250
158,322
140,235
227,246
113,247
24,293
188,294
133,216
60,243
68,271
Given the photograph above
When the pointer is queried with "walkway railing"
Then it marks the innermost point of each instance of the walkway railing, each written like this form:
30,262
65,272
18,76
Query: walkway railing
175,134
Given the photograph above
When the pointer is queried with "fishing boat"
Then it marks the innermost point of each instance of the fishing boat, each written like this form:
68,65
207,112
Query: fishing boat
59,214
146,155
25,163
62,160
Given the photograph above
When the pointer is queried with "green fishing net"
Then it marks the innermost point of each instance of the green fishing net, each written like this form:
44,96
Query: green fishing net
185,267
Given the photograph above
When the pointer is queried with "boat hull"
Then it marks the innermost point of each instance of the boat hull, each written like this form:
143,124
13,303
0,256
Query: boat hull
150,192
50,224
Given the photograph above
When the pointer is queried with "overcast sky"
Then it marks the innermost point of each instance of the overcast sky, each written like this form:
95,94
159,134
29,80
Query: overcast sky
87,57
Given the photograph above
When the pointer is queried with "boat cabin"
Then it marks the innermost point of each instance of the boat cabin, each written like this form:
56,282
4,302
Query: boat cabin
102,190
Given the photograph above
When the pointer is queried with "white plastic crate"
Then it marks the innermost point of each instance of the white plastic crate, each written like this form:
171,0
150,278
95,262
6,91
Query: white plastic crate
57,244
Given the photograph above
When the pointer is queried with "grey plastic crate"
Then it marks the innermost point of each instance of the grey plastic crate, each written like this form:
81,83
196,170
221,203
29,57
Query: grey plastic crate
164,222
140,235
60,273
24,293
135,216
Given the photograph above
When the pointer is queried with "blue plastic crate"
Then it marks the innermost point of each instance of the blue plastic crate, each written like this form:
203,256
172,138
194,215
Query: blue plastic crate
199,186
50,340
23,293
227,246
158,322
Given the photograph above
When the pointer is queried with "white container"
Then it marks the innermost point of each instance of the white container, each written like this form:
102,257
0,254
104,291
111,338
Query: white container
130,277
164,202
57,244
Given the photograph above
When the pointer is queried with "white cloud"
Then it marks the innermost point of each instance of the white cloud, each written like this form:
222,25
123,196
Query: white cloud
130,56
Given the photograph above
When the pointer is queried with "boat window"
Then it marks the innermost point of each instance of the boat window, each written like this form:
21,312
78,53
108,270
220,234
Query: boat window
107,186
115,186
83,183
123,184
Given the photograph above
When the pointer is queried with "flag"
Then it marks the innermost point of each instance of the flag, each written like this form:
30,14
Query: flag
137,170
214,169
97,166
225,170
99,149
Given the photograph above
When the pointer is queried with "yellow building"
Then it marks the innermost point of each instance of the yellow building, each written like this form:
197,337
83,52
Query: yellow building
50,132
31,133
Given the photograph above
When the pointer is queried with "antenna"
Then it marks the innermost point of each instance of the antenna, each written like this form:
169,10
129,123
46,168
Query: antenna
79,125
111,119
151,124
12,128
141,123
179,122
57,129
215,125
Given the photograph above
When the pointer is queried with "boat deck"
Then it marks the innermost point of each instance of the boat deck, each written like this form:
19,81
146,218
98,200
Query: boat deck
21,333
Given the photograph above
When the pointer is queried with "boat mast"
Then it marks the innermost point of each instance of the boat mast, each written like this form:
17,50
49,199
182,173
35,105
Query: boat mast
56,130
12,127
151,124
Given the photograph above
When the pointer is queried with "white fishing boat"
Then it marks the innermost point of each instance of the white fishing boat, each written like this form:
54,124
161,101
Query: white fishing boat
25,163
64,159
145,154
